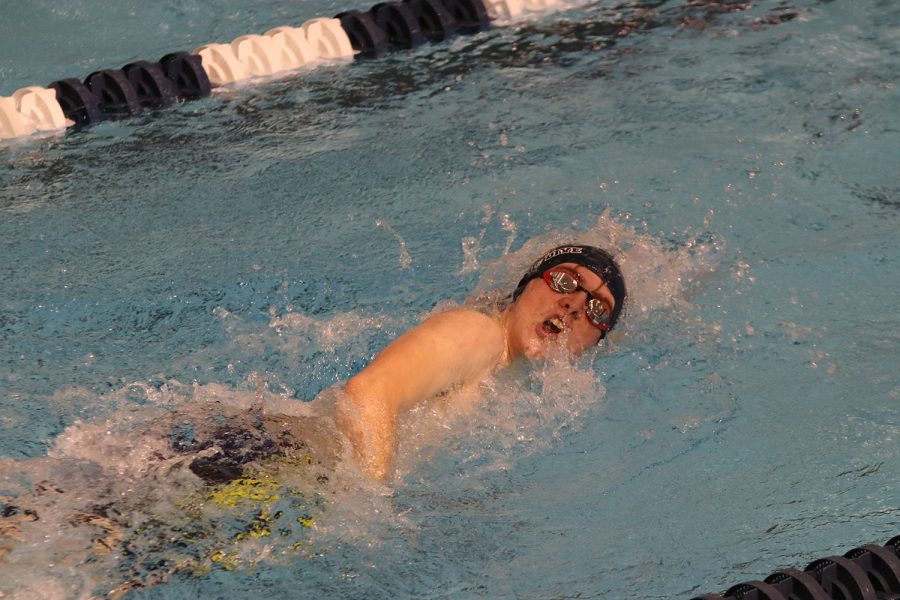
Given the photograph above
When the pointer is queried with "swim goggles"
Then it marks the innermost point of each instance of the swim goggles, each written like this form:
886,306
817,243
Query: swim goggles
565,282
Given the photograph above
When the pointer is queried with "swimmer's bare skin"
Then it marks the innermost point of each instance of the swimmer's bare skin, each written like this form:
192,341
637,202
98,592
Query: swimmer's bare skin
453,349
459,349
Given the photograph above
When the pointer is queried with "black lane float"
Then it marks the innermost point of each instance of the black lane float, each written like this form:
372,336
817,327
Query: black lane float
868,572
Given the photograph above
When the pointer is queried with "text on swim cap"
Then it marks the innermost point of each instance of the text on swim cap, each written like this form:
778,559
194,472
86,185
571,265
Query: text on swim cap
557,252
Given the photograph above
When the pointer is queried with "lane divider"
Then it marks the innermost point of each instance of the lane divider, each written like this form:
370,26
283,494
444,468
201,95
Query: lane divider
184,76
869,572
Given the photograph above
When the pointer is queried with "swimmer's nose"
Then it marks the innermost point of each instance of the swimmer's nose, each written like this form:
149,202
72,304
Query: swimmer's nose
573,304
574,301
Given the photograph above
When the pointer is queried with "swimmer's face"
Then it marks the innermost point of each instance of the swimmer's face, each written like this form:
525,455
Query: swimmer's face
541,319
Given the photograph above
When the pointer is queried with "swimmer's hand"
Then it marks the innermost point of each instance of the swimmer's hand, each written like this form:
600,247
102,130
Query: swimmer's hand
455,348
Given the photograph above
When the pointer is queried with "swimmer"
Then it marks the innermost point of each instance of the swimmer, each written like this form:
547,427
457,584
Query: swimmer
568,300
229,477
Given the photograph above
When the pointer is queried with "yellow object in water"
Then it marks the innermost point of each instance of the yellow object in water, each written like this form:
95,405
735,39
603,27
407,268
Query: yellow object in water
245,489
229,562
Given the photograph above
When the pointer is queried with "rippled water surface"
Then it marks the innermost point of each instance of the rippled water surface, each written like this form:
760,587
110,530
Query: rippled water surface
196,274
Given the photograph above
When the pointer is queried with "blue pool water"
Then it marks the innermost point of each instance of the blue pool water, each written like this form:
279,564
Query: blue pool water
248,251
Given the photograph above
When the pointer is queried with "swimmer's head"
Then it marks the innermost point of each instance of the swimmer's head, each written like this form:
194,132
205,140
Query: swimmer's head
598,261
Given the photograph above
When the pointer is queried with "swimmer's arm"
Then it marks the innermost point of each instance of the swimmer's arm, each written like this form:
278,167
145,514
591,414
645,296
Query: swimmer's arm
456,348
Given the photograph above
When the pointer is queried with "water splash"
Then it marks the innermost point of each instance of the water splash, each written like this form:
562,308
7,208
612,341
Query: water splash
507,225
519,412
203,477
154,467
659,274
405,257
471,246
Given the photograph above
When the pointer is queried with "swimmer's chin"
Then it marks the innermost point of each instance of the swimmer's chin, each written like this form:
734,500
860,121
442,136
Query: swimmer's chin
544,348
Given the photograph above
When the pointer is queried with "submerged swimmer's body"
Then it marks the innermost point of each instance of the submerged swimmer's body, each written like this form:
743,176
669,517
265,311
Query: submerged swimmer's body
569,299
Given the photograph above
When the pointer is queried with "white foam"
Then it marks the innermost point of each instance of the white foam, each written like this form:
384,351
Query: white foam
514,414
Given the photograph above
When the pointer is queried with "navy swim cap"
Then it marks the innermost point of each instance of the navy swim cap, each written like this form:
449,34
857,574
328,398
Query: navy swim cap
600,262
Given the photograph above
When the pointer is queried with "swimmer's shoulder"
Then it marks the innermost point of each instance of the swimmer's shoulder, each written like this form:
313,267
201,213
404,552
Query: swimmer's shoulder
447,350
470,321
470,331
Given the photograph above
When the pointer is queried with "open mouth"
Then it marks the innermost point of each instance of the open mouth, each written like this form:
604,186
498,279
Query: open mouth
554,326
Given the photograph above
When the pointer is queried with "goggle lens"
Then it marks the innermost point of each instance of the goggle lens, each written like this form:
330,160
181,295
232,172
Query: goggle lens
563,282
596,312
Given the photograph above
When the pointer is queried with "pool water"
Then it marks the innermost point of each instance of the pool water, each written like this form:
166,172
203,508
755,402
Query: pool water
233,258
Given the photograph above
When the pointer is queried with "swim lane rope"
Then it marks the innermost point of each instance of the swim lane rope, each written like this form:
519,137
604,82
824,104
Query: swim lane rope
870,572
185,76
